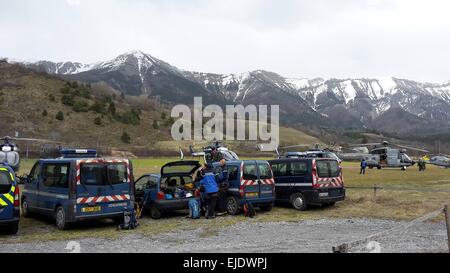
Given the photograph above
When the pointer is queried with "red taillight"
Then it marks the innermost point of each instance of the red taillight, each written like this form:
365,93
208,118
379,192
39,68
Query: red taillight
160,196
17,197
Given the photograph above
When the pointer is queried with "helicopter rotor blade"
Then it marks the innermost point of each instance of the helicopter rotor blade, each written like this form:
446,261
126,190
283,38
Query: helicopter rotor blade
411,148
294,146
366,144
29,139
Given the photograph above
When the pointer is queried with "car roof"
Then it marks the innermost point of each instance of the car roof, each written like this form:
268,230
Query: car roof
71,159
289,159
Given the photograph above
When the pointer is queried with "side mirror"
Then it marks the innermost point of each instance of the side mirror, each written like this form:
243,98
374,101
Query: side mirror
23,179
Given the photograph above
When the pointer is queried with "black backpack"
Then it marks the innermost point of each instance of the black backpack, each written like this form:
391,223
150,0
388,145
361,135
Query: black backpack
129,220
249,210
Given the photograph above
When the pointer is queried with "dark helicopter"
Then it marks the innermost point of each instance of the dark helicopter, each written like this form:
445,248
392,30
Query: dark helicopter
9,150
213,152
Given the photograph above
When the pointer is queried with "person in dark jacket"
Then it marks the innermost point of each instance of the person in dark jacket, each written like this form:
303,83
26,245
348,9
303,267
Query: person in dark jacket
222,181
209,185
363,166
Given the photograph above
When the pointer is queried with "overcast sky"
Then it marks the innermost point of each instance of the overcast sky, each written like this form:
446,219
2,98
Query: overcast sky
302,38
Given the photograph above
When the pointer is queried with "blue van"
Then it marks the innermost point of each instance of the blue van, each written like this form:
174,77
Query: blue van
9,200
249,181
78,186
308,181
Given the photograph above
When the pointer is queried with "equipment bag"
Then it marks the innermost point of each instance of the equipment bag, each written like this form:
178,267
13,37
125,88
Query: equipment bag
129,220
249,210
194,208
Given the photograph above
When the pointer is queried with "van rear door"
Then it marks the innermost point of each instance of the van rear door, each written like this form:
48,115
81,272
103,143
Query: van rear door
103,186
327,173
6,199
266,180
249,180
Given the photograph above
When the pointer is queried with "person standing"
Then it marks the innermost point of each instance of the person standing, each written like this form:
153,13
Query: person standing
209,184
363,166
222,181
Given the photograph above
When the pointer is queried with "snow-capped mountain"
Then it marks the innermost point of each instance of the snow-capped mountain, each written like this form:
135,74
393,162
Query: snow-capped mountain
133,73
333,102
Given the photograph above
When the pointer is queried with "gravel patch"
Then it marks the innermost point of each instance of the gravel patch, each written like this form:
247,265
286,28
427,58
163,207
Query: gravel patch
255,237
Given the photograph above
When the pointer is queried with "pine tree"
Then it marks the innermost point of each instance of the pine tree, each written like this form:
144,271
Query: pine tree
125,138
155,124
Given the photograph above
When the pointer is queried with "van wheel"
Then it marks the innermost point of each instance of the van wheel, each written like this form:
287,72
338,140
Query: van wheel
155,213
298,201
13,228
60,219
25,209
232,205
267,207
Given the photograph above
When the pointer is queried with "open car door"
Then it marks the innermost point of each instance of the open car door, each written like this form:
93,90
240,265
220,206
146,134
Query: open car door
181,168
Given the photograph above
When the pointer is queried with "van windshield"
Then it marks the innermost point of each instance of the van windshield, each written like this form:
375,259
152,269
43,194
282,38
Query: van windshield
5,182
327,168
103,174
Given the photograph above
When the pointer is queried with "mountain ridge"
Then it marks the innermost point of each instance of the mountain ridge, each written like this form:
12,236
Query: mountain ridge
355,103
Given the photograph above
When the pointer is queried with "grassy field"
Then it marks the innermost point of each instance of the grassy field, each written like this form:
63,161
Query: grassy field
405,196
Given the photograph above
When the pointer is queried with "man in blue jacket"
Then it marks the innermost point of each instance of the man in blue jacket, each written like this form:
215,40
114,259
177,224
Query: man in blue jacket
363,166
209,185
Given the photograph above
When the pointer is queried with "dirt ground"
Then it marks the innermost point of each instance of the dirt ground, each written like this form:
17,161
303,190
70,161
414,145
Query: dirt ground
256,237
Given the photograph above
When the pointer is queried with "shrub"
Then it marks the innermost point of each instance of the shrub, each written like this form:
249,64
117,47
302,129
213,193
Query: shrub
112,108
98,121
68,100
80,106
155,124
98,107
60,116
44,113
125,138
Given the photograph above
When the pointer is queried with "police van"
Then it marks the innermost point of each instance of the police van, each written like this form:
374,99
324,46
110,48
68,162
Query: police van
308,181
9,200
249,181
78,186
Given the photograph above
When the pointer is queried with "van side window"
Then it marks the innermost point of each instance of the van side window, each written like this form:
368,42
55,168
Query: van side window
279,169
35,171
141,183
5,182
232,173
299,168
250,172
56,175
